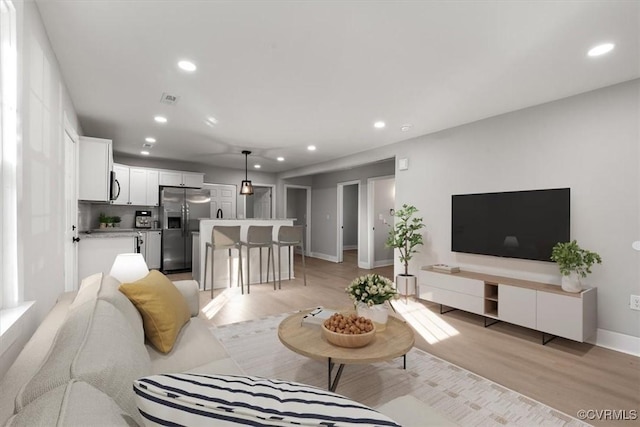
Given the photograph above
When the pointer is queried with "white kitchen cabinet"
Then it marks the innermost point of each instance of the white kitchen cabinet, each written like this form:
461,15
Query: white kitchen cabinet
153,188
122,182
96,254
181,179
94,169
138,186
153,255
192,180
171,178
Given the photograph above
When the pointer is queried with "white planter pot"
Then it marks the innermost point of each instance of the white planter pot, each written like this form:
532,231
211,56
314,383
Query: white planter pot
406,285
571,283
378,313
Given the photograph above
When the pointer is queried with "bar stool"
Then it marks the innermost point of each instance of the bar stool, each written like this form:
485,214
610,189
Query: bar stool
223,237
290,236
259,236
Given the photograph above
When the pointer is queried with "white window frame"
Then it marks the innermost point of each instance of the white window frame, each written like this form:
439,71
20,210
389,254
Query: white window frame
9,285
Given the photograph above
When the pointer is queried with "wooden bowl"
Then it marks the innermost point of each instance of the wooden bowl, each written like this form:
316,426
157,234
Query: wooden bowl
349,341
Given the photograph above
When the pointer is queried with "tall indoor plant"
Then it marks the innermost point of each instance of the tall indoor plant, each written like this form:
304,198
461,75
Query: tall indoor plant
406,237
574,263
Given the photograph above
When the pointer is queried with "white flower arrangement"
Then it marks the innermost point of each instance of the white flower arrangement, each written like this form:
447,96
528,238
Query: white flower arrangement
371,289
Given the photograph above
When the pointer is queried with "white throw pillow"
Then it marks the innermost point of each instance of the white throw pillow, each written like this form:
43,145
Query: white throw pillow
88,291
220,400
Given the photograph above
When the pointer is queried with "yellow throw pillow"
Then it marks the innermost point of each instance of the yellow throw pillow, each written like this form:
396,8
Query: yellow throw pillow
163,308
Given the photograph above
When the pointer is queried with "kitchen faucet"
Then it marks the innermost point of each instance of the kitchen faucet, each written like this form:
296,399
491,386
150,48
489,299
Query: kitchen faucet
219,213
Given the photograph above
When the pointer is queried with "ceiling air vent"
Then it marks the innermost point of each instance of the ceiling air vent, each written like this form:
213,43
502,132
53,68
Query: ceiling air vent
169,99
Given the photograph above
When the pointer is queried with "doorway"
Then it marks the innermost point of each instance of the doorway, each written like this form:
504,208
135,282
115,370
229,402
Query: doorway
297,202
381,201
71,206
348,240
223,200
261,203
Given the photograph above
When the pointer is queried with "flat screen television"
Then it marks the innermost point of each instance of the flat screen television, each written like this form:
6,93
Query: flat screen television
514,224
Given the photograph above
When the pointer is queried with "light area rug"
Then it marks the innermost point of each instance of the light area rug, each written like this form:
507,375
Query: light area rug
462,396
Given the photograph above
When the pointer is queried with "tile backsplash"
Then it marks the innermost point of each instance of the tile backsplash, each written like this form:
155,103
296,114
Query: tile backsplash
89,214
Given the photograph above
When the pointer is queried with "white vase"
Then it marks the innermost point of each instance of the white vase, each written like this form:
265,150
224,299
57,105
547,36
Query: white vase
571,283
378,313
406,284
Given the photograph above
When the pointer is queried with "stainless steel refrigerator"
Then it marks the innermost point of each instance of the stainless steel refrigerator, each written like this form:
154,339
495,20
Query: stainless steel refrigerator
181,210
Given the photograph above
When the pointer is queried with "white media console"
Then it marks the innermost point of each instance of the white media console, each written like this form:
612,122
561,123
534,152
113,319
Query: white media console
540,306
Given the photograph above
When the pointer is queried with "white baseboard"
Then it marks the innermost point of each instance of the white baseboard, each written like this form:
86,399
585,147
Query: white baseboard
330,258
364,265
349,247
616,341
382,263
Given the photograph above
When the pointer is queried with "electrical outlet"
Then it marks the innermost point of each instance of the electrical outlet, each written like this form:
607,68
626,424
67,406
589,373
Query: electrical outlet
634,302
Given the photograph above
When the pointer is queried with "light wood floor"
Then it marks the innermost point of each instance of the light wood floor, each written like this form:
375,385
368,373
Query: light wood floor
563,374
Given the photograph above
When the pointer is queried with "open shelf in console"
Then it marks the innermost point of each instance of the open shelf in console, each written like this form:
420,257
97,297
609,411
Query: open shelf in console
490,299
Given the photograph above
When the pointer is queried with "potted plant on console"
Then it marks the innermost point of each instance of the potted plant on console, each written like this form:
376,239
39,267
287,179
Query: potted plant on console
406,237
574,263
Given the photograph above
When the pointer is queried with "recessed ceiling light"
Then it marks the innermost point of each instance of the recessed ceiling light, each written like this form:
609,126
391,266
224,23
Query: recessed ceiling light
144,152
406,128
187,66
379,125
257,166
280,159
211,121
601,49
150,139
160,119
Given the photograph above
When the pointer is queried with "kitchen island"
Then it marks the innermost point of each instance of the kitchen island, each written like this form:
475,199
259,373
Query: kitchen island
221,279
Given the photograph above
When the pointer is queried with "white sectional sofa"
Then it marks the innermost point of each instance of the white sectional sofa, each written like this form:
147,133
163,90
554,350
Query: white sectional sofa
79,367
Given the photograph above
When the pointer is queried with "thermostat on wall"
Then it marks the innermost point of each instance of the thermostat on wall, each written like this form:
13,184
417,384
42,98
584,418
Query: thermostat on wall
403,164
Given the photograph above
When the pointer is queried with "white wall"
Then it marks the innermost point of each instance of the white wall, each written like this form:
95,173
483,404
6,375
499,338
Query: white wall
43,100
589,142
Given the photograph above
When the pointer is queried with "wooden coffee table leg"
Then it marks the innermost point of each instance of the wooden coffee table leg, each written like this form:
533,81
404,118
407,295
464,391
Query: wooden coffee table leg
333,384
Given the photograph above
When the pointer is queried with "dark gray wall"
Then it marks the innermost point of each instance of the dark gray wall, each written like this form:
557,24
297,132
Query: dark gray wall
350,215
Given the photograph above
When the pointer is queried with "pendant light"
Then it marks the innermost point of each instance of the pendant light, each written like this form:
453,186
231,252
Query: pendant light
246,188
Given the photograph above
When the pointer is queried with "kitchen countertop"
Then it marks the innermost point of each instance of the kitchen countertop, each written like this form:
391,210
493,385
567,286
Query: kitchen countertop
110,233
245,219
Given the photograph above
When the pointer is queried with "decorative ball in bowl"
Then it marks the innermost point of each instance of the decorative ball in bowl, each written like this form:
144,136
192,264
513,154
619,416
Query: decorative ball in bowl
349,330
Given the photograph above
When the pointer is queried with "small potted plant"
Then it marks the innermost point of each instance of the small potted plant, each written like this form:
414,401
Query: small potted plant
104,220
369,294
406,237
574,263
116,221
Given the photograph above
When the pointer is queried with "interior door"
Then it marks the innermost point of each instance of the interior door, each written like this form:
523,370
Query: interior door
262,202
71,214
223,197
